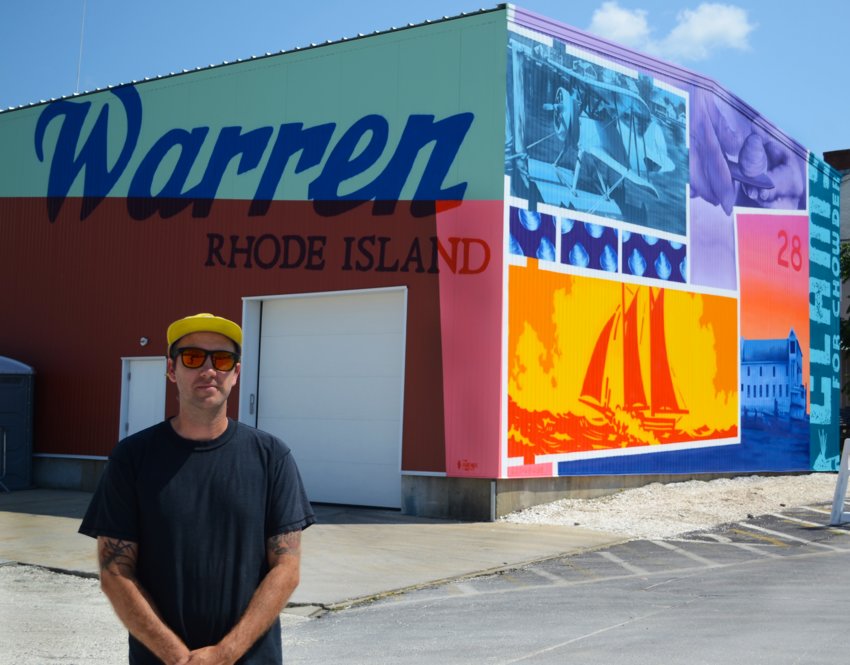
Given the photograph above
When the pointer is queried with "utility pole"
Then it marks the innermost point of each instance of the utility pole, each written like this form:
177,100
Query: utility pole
80,58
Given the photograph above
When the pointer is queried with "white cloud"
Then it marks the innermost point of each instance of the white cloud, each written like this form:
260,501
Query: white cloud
697,34
622,26
710,26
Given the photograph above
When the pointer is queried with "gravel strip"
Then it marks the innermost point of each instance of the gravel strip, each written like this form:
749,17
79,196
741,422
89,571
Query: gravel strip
666,510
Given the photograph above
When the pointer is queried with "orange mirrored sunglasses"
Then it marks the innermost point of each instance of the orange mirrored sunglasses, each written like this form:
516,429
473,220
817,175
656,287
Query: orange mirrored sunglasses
193,358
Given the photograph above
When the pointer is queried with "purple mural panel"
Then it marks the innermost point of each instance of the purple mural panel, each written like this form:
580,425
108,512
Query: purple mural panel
735,163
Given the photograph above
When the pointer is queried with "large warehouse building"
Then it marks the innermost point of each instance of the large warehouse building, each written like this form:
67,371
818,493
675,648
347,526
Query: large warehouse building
480,263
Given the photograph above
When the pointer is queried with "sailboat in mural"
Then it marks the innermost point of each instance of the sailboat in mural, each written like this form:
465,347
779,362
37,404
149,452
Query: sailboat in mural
616,390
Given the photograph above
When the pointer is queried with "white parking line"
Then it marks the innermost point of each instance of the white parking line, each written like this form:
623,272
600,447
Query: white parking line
820,525
744,546
816,510
552,577
560,645
795,519
786,536
686,553
625,564
464,589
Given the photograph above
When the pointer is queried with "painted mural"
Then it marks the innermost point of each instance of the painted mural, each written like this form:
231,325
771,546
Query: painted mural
774,346
824,313
595,136
603,366
661,252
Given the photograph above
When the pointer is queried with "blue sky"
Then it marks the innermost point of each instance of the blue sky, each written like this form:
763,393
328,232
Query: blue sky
783,58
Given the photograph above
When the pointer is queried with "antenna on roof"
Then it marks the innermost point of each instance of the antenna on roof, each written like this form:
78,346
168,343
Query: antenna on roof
80,58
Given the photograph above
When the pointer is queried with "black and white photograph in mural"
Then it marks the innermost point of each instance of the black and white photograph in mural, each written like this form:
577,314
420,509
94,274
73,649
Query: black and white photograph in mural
594,136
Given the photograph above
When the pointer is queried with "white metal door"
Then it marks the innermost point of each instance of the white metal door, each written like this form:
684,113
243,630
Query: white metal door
142,393
331,383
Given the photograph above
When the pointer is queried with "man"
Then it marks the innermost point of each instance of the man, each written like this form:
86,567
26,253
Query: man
198,519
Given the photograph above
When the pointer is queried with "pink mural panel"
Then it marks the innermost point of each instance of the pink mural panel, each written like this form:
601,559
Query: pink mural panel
470,235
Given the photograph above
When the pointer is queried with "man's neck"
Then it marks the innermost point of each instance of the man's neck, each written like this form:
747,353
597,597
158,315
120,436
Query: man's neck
204,428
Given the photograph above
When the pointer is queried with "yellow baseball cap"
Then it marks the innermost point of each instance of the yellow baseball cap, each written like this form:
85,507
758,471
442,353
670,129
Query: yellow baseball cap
204,323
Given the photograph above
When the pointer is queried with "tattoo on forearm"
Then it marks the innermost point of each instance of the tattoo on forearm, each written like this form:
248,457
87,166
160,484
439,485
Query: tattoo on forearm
285,543
118,557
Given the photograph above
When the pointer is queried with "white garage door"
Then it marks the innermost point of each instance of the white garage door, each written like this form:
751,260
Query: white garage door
331,382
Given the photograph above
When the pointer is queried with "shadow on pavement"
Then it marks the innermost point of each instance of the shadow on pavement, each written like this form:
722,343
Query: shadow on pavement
67,503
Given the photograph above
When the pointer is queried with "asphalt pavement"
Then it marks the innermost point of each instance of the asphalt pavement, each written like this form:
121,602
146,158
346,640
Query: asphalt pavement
770,590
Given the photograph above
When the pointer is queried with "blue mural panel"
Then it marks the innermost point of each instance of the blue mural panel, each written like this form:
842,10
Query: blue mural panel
825,310
594,136
648,256
586,245
532,234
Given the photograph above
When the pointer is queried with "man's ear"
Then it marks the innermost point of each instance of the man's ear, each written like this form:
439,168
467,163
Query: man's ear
169,370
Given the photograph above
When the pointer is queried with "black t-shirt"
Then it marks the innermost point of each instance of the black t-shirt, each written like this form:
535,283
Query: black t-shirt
201,513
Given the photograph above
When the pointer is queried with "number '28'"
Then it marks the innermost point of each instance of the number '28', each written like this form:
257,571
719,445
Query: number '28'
796,253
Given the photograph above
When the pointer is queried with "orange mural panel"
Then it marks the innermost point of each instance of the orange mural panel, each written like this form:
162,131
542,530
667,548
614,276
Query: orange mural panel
599,365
